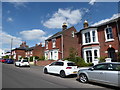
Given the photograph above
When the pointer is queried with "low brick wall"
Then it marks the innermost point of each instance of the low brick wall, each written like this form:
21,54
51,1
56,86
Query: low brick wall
43,63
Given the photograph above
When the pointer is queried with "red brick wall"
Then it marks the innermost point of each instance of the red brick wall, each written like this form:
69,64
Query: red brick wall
20,52
69,41
43,63
38,51
105,45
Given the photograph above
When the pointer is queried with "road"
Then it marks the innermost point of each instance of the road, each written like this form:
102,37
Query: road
33,77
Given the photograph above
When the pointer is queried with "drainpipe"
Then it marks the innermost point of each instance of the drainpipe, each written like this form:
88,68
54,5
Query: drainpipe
62,45
118,31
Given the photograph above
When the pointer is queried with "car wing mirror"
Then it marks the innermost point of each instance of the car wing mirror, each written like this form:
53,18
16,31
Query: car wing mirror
91,69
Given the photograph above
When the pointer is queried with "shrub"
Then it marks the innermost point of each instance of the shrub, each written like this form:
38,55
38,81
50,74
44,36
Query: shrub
101,59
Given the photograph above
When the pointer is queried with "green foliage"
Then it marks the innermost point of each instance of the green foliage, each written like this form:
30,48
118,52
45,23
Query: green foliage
101,59
6,57
118,56
78,60
42,58
31,59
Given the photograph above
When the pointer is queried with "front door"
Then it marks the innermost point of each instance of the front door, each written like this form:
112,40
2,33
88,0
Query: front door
111,54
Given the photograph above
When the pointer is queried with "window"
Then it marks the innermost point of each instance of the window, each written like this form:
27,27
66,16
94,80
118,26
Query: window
114,67
89,56
87,37
46,44
54,43
93,36
59,63
101,67
108,33
95,54
73,34
71,64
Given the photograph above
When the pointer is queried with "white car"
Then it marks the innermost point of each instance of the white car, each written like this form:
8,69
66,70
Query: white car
63,68
22,62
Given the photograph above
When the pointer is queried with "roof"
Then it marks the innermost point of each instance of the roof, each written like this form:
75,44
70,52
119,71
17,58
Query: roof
58,34
108,22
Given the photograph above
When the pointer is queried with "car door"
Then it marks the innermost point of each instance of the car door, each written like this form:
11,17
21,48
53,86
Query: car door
113,74
98,72
51,67
58,67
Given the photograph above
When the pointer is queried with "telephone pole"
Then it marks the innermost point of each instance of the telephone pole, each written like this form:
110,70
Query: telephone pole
11,46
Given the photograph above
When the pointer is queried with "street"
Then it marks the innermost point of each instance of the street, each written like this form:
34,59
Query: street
33,77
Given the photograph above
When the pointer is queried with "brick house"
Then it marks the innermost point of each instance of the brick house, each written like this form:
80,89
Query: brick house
37,50
100,41
17,53
25,51
58,46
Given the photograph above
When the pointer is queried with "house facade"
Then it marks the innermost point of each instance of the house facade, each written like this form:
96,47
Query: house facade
58,46
25,51
100,41
37,50
17,53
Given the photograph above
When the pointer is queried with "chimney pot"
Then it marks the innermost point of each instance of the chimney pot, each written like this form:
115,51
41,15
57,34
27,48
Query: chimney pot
85,24
64,26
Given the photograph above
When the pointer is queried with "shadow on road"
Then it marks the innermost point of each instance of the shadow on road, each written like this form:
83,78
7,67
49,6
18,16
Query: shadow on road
70,76
102,85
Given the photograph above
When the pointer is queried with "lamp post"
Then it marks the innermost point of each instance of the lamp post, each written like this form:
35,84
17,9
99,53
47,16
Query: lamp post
11,46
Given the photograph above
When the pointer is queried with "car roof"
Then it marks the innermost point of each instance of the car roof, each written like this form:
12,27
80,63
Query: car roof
66,61
110,63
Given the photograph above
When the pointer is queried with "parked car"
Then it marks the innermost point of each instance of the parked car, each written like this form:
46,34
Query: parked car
105,73
2,60
22,62
9,61
63,68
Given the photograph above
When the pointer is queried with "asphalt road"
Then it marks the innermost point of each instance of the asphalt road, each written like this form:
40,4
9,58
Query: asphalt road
33,77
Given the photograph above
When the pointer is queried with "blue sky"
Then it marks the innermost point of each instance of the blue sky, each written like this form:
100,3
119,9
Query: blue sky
34,22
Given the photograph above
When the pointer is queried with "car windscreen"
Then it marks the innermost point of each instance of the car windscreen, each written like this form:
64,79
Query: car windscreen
71,64
25,60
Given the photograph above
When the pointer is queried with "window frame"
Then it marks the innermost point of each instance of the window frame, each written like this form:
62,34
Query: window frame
91,30
106,38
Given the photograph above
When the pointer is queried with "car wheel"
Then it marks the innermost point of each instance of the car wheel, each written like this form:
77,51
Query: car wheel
45,71
62,74
83,78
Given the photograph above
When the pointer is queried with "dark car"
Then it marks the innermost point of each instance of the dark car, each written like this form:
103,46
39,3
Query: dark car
9,61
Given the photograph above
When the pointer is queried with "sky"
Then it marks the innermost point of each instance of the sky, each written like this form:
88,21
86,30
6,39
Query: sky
34,22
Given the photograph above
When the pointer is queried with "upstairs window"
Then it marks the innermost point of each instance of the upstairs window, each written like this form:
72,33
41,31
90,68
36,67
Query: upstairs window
87,37
54,43
108,33
73,34
46,44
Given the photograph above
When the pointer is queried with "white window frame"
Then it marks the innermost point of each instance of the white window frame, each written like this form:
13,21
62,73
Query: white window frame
53,43
46,44
73,34
91,36
106,39
92,49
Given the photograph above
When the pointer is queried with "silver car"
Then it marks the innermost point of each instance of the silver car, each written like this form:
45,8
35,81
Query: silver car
105,73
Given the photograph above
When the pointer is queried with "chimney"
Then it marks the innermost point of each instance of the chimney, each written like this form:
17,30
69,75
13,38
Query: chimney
85,24
40,44
36,45
64,26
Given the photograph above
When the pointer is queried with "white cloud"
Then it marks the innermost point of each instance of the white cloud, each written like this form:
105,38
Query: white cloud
92,2
32,34
6,40
106,20
69,16
9,19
